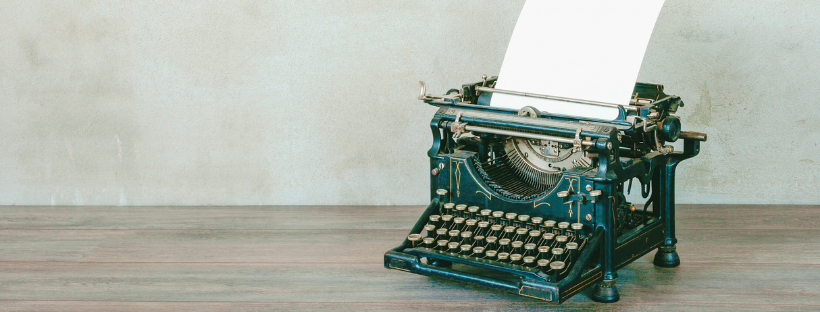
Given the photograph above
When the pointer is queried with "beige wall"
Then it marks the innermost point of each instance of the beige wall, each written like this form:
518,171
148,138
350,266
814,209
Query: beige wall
312,102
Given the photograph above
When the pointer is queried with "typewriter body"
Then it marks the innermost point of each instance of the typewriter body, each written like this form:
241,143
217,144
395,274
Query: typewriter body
534,203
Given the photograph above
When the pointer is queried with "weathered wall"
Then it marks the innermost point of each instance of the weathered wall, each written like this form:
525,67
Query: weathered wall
312,102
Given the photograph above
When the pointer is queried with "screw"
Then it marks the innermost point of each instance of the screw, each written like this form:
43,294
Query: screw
589,217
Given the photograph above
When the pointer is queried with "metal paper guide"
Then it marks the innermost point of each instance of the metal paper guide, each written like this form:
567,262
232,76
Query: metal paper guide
588,50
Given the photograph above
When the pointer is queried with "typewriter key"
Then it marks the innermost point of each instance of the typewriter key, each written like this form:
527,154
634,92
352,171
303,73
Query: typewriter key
529,261
535,223
517,247
516,258
562,227
466,249
454,235
442,195
497,217
442,234
483,228
415,239
521,234
504,245
534,237
548,226
556,268
509,232
429,230
490,254
547,239
543,265
544,252
466,237
469,224
503,256
446,221
478,252
458,223
453,247
434,220
578,229
442,244
461,210
572,251
479,240
495,230
492,242
529,250
429,242
560,241
447,209
523,220
484,214
473,210
558,254
510,218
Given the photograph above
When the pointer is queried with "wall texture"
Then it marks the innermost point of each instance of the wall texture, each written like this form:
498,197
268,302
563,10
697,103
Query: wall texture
313,102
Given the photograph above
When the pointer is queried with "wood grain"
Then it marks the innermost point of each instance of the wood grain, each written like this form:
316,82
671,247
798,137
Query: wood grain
319,258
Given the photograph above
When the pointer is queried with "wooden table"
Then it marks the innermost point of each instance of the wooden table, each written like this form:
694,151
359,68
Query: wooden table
331,257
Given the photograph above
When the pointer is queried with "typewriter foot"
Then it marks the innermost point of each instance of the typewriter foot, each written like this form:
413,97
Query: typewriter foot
667,257
606,292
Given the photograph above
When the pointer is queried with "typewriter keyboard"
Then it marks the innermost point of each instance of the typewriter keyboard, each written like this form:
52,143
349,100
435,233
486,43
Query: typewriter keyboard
531,243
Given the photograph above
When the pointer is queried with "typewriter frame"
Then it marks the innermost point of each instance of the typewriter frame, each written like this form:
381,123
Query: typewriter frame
606,251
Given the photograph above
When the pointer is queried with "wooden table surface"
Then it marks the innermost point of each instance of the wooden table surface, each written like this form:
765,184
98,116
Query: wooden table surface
261,258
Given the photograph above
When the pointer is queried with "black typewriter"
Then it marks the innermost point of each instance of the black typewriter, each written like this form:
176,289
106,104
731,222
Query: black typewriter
534,203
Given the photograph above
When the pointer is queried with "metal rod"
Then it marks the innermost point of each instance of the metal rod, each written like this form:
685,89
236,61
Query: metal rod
557,98
525,135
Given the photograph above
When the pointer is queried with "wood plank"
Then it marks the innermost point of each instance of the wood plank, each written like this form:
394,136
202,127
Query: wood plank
640,283
348,246
766,217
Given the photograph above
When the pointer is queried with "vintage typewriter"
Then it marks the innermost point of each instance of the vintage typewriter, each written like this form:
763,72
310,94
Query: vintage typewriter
534,203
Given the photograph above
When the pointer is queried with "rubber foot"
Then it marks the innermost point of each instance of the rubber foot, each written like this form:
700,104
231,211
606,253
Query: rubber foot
667,257
606,292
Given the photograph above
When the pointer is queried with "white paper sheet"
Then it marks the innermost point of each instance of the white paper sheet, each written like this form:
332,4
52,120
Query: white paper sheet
583,49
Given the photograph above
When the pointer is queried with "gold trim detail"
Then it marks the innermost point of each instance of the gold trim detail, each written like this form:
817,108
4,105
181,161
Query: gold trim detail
539,204
485,194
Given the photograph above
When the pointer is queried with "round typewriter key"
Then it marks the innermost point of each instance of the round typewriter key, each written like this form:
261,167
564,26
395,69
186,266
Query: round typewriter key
461,210
561,241
536,222
529,261
578,228
429,230
429,242
446,221
479,240
442,195
534,236
557,267
453,247
466,249
521,234
478,252
572,251
442,244
547,239
483,227
469,224
434,220
414,239
523,220
492,242
516,258
490,254
504,245
484,214
441,234
497,217
454,235
544,265
447,208
558,254
458,223
466,237
495,230
473,210
544,252
503,256
562,227
517,247
510,217
529,250
549,226
509,232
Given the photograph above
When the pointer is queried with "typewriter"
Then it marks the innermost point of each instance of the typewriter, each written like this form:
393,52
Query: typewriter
534,203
